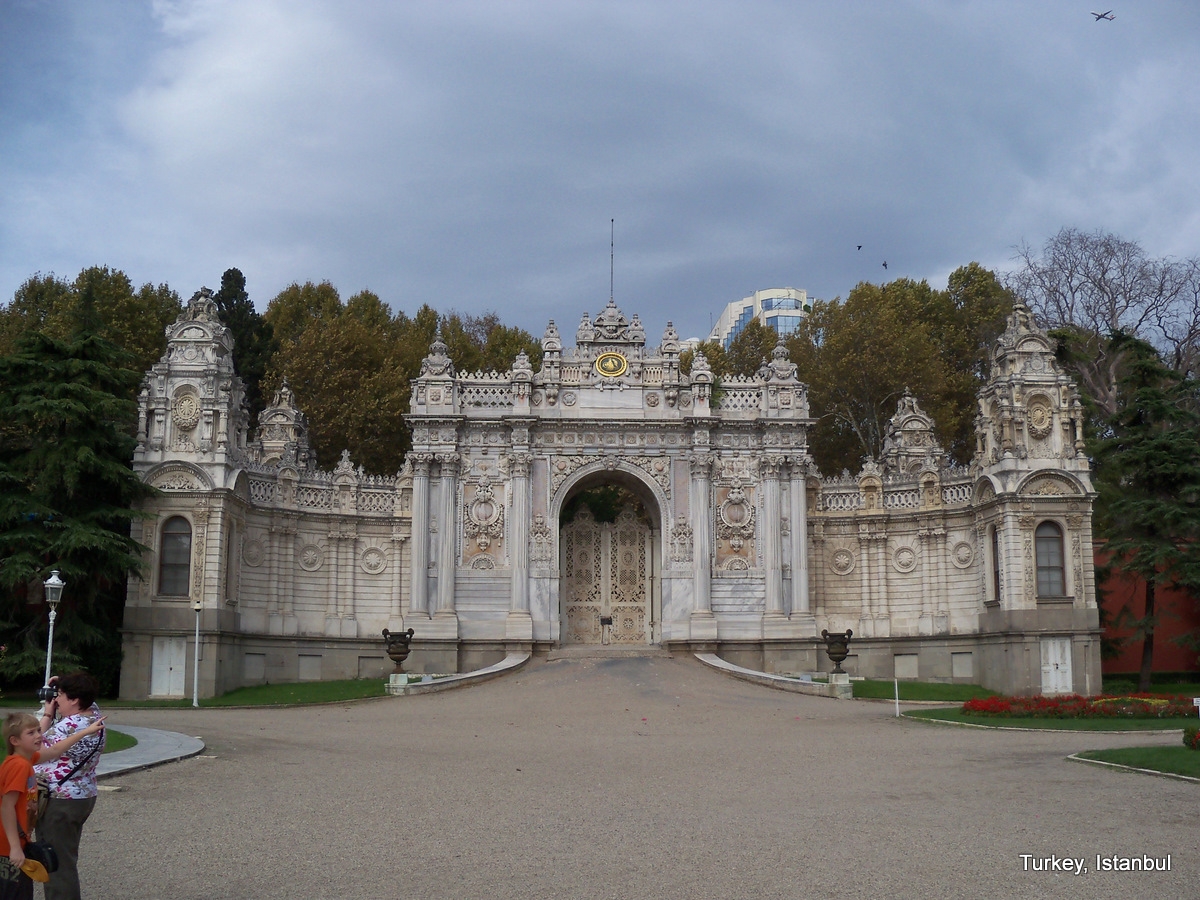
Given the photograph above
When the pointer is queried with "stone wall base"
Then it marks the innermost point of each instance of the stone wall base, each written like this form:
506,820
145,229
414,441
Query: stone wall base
1006,655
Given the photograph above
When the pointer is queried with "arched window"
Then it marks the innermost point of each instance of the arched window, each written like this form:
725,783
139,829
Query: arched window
175,557
1049,540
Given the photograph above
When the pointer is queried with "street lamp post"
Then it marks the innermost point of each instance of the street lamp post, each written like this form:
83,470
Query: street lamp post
54,588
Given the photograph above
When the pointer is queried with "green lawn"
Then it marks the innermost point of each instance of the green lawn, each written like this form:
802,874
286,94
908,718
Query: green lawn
118,740
918,690
275,695
1176,760
957,715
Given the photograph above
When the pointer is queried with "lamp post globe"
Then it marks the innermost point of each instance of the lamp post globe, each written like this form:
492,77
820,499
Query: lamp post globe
54,588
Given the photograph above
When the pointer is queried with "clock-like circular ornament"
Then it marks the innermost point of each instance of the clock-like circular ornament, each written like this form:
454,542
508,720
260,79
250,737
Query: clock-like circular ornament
611,364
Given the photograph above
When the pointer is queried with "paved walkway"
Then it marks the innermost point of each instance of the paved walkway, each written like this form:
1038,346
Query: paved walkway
626,778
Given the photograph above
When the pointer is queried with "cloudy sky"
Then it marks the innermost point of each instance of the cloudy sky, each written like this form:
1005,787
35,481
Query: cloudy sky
472,155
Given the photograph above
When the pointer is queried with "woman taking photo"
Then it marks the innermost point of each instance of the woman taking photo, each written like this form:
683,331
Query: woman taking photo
72,778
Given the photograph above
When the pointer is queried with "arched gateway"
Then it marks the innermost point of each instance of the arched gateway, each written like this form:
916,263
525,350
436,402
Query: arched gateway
609,496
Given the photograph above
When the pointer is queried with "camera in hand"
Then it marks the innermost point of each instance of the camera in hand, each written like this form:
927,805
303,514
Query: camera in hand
47,693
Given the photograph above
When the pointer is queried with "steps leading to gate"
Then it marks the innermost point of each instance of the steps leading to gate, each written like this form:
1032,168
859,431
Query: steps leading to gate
609,651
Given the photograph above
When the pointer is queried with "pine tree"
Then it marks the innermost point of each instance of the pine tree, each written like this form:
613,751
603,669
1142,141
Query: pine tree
67,496
1148,477
253,340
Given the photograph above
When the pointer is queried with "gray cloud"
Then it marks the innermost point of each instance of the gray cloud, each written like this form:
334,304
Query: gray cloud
471,155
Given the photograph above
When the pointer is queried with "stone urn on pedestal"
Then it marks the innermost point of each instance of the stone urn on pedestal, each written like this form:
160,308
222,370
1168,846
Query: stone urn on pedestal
397,647
837,648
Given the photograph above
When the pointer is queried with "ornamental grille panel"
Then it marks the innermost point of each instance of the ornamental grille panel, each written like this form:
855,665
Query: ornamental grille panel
606,574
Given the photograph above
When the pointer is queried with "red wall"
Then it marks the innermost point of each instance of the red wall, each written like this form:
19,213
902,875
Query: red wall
1177,614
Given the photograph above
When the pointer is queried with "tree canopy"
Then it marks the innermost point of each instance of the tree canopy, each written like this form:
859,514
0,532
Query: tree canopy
67,494
859,356
350,366
1148,479
134,321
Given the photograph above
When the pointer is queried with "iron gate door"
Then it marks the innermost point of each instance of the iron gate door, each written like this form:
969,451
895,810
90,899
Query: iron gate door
606,575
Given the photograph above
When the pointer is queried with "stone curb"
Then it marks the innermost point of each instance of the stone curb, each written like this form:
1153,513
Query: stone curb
154,748
511,663
1075,757
813,689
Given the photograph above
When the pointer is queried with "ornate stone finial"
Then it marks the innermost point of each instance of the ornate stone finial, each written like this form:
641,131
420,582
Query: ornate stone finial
201,308
283,430
670,339
551,340
344,466
521,369
909,443
635,331
585,333
437,363
701,372
781,367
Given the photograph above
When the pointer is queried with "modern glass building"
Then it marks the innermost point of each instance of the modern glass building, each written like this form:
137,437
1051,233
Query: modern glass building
778,308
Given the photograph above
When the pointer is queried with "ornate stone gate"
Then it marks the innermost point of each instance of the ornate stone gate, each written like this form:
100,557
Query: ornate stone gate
748,551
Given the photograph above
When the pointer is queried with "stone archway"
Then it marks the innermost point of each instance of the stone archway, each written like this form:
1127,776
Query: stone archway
609,585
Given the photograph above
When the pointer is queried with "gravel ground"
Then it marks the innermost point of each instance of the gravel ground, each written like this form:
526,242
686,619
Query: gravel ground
623,778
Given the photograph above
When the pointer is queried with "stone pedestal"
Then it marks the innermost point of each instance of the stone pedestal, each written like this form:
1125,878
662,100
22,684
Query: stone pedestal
518,626
703,627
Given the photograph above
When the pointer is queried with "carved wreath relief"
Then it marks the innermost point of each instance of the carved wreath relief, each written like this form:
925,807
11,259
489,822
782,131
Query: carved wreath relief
735,519
484,516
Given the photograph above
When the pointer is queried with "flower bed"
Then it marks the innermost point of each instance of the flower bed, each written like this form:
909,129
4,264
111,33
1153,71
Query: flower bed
1072,706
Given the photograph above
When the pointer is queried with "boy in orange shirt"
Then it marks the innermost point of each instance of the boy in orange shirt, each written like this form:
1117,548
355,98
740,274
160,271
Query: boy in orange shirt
18,790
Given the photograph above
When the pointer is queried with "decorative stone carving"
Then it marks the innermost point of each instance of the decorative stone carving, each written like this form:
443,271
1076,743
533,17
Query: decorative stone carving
1039,419
252,552
681,541
311,557
1049,486
484,519
177,478
437,364
373,561
185,411
962,555
735,519
542,538
842,561
904,559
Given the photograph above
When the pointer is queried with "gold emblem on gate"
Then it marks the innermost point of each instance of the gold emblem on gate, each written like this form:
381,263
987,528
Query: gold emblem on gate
611,364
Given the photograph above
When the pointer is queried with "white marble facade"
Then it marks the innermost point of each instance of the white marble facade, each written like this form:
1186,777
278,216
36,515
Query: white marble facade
942,573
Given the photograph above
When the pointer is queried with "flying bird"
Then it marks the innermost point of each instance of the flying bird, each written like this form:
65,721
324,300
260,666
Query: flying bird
860,246
1105,15
885,263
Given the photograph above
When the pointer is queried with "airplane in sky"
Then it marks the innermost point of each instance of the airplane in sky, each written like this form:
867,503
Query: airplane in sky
1105,15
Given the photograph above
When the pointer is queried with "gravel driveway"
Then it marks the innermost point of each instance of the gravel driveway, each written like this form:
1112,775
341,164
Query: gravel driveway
623,778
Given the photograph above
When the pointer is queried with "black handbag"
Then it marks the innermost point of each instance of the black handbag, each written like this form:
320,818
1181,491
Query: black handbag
40,851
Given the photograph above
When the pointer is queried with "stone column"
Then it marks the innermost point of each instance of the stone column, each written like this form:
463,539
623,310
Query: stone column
772,539
419,603
447,533
520,624
704,626
799,535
